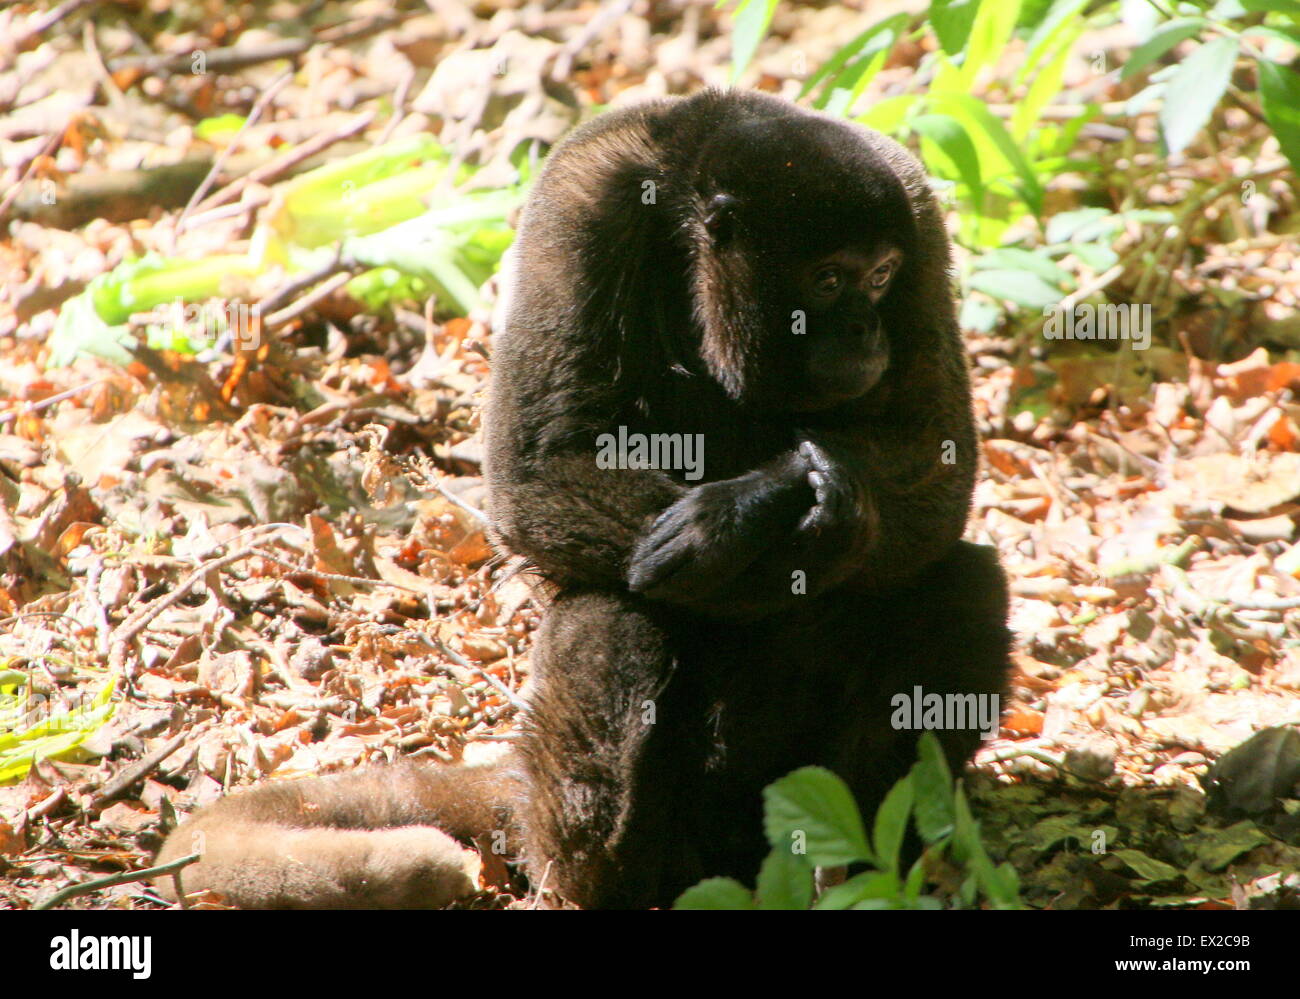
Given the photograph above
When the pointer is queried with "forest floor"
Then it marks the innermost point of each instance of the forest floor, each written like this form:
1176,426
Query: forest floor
224,567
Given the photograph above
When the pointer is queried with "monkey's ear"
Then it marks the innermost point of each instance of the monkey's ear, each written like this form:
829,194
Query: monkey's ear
719,215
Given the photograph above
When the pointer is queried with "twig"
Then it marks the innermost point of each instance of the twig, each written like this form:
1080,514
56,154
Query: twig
258,107
338,577
243,206
605,16
49,400
1091,288
126,877
399,104
30,167
49,804
39,24
1266,603
371,24
291,312
290,290
288,161
423,470
216,60
541,886
126,632
131,774
463,663
116,99
455,500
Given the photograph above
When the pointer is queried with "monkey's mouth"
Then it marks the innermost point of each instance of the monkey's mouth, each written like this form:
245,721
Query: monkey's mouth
838,374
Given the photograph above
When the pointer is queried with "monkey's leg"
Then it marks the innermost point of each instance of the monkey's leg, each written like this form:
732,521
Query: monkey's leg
378,838
945,634
817,686
614,753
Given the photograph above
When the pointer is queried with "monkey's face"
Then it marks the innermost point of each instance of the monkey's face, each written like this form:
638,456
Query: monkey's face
801,236
839,350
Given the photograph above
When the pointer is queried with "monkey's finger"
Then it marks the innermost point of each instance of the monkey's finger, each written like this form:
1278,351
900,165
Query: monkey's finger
816,455
678,565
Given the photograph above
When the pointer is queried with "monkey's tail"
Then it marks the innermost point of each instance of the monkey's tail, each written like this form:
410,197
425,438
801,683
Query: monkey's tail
377,838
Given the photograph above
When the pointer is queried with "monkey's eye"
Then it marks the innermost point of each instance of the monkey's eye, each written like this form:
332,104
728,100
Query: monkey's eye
828,281
881,275
719,214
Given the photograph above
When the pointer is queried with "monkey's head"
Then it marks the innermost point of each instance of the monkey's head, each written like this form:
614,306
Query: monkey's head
800,232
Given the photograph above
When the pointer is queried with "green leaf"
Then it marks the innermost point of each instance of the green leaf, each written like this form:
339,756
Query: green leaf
1166,37
1226,10
887,116
1081,225
455,245
716,893
952,21
891,823
1046,86
1192,93
53,735
999,884
915,881
785,881
1279,92
1099,258
748,28
1013,258
932,790
881,885
1148,868
839,97
1060,17
814,810
1287,36
1144,98
225,125
1003,887
955,143
1291,8
865,45
989,35
979,315
996,141
1028,290
80,330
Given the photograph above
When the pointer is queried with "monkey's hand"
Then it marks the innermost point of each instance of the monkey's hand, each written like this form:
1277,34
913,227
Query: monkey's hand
840,501
701,543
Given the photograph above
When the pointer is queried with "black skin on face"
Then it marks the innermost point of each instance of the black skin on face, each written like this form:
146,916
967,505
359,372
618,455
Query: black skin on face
776,281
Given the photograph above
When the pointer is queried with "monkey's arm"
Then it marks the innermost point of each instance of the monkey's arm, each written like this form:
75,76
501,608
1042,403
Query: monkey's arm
577,523
378,838
878,507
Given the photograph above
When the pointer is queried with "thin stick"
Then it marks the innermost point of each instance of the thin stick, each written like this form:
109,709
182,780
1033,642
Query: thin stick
288,291
126,877
123,781
399,104
261,104
49,400
12,195
322,291
464,663
287,162
39,24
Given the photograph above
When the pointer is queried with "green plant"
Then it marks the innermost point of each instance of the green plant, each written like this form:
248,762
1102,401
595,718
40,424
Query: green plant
811,820
385,210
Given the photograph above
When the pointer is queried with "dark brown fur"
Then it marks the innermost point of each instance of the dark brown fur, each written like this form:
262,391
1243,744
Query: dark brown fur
678,670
